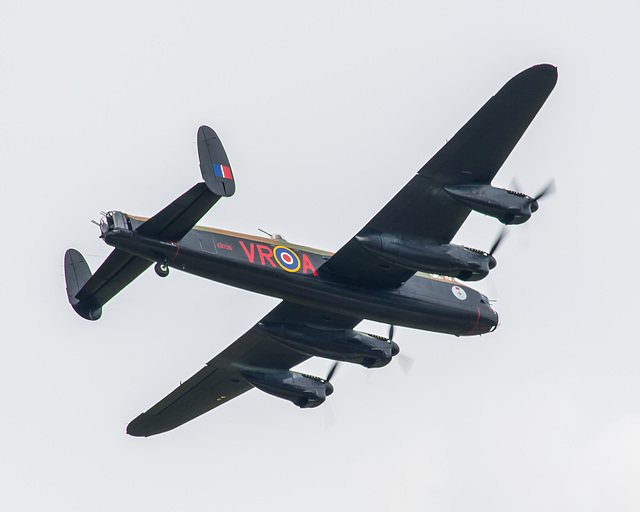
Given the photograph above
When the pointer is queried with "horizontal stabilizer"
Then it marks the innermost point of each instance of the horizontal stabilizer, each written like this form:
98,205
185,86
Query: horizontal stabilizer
76,274
214,163
88,293
177,219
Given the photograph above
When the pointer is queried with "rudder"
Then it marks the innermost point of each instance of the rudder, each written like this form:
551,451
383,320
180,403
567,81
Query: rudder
214,163
76,274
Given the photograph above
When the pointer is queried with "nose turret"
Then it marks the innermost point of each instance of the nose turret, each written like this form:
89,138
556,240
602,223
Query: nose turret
488,320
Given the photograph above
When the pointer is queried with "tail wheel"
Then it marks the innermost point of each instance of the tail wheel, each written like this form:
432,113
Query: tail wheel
162,269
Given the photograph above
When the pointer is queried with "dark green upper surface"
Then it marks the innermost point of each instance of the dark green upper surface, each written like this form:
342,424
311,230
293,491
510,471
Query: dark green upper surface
474,155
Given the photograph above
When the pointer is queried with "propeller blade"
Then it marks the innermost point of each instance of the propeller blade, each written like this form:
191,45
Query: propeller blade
332,371
549,189
496,244
406,363
514,185
391,329
329,415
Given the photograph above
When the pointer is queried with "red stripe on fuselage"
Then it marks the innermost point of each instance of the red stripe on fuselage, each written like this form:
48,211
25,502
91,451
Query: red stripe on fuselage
177,244
476,324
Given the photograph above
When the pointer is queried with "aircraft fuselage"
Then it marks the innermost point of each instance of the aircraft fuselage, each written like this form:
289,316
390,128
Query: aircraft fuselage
287,271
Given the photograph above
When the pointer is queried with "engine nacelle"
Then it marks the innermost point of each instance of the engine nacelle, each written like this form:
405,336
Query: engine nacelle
341,345
417,254
507,206
303,390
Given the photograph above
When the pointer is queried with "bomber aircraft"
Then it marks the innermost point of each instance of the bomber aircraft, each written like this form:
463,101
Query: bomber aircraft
400,269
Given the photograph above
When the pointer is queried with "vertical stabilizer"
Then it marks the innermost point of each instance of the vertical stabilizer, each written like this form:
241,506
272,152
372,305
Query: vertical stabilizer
214,163
76,274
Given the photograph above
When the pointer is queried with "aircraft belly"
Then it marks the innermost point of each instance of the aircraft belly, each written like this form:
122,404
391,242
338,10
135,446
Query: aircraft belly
395,307
421,303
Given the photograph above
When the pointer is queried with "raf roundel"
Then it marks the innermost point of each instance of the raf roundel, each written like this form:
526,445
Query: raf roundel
222,171
286,258
459,292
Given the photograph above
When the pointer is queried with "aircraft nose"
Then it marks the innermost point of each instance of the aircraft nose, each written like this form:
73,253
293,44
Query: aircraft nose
488,319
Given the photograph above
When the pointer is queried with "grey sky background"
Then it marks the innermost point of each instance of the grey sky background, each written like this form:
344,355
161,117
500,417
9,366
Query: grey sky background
326,110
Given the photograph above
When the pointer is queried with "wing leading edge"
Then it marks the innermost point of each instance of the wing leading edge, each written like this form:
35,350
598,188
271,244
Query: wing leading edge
473,156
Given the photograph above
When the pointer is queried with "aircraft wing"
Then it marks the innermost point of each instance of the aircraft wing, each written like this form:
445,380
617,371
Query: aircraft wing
117,271
220,380
473,156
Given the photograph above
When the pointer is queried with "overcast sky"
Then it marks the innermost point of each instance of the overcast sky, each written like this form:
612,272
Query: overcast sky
326,110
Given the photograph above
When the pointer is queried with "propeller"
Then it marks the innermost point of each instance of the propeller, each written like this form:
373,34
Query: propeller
328,389
494,247
405,361
550,188
498,241
329,415
332,371
514,185
395,349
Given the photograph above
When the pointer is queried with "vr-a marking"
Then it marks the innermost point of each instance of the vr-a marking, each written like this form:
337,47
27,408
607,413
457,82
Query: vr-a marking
286,258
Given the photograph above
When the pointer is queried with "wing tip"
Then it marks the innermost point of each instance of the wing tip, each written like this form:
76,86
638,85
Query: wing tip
541,76
147,425
549,70
139,427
